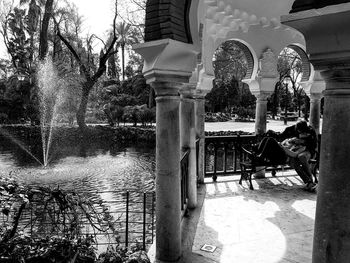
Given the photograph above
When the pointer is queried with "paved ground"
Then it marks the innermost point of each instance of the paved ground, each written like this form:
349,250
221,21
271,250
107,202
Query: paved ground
277,126
272,224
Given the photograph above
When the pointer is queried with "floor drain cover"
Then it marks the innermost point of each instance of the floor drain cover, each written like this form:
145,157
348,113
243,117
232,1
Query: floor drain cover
208,248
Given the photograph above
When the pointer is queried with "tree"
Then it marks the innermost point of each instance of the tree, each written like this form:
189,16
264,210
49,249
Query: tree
230,67
87,70
44,29
123,30
290,72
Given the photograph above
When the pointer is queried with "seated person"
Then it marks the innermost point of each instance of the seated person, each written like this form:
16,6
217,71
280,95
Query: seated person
293,146
297,150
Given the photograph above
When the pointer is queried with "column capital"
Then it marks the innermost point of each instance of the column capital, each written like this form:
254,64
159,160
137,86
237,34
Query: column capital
314,88
200,94
167,60
326,36
166,88
316,96
261,85
338,81
187,90
262,95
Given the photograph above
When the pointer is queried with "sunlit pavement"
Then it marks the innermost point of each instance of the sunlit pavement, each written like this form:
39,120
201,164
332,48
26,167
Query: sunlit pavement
272,224
275,125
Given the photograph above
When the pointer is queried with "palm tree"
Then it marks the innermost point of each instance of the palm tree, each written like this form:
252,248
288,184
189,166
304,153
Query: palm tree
123,30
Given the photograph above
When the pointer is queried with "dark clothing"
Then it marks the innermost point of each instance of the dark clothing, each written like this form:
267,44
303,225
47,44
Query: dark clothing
310,139
271,150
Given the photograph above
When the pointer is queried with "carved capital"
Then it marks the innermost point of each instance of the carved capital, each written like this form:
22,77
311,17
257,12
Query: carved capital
326,33
166,88
200,94
167,60
261,85
188,90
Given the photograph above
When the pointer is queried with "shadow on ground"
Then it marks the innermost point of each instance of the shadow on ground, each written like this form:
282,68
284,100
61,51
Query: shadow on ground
274,223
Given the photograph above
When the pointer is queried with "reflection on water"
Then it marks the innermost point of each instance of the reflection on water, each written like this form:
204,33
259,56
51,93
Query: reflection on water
87,166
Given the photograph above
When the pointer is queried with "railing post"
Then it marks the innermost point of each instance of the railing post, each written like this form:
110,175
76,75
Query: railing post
225,157
215,160
127,221
144,222
153,202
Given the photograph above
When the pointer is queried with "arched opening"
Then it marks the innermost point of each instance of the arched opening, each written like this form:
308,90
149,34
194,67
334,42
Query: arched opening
289,100
232,62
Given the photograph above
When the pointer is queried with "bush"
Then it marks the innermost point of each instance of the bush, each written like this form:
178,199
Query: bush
217,117
53,233
245,113
147,116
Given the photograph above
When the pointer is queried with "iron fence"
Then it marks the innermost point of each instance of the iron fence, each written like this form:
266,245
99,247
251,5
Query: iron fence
120,218
223,154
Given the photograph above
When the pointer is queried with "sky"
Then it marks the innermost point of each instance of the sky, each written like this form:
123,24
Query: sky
97,17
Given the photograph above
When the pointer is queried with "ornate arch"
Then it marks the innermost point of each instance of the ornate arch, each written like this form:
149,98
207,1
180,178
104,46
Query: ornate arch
250,59
306,65
168,19
248,53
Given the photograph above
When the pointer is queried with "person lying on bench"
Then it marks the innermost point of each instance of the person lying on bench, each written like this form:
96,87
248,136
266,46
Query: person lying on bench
296,150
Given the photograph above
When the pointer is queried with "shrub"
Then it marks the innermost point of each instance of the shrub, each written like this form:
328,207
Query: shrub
147,116
54,231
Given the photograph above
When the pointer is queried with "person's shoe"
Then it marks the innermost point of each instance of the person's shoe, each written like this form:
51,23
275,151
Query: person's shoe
311,187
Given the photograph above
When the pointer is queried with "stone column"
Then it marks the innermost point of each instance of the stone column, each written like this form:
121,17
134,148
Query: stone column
188,139
261,89
315,111
327,37
200,132
332,226
168,65
168,201
314,90
261,112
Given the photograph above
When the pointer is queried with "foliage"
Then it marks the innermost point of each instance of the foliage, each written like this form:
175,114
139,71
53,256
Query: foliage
54,233
123,100
30,33
230,66
288,94
116,255
147,116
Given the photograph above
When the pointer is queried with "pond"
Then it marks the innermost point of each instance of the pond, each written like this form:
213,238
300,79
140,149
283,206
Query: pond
82,165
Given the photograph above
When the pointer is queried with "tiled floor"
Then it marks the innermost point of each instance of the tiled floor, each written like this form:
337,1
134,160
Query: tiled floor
272,224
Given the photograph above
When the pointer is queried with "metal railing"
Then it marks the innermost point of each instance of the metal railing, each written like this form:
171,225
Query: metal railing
223,154
184,180
131,213
197,157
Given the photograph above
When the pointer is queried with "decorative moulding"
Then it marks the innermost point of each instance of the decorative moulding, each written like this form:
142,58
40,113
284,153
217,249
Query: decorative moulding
167,58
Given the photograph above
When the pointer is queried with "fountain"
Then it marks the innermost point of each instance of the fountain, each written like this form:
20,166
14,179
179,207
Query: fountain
50,86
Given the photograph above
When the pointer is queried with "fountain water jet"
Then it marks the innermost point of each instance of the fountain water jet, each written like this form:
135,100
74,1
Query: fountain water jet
50,93
20,144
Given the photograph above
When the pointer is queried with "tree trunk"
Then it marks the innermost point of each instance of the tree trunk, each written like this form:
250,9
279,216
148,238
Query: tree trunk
123,59
151,98
44,29
83,105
